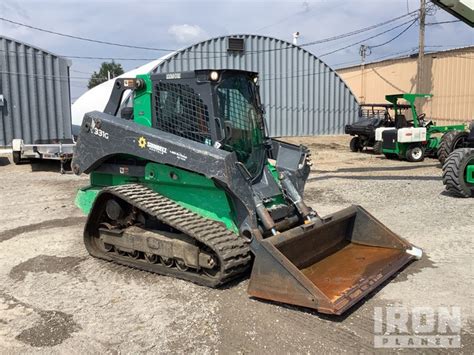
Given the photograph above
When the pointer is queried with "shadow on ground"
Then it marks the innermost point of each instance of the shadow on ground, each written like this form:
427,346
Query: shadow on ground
375,178
368,169
53,166
4,161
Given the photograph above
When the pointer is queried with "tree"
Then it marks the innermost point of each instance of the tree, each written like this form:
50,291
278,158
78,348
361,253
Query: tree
97,78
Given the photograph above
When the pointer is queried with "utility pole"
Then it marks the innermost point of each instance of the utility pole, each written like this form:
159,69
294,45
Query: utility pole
421,47
363,51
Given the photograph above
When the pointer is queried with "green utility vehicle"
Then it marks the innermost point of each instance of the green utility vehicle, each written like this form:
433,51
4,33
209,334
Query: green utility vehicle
416,138
187,184
371,117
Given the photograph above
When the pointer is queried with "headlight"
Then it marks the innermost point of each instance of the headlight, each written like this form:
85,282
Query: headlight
214,75
255,79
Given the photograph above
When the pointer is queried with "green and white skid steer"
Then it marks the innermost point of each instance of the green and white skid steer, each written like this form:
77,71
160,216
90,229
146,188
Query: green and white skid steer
187,184
414,139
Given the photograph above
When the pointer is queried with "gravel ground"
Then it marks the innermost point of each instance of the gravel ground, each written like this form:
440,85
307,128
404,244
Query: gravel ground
54,298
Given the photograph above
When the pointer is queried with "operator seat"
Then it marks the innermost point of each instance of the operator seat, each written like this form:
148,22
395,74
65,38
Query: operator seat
400,121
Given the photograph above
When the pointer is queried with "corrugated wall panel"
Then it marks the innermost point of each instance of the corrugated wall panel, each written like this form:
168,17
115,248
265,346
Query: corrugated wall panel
448,75
302,95
35,88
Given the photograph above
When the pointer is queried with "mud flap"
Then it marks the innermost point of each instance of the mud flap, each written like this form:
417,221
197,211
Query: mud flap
330,264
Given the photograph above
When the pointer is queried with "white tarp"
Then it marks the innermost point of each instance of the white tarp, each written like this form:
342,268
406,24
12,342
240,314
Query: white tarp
96,98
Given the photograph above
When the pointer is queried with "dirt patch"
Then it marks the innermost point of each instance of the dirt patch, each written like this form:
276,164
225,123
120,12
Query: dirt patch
46,263
52,329
333,146
324,196
52,223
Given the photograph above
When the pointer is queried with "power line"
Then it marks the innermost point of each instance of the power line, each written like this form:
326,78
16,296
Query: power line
16,54
394,38
80,72
361,30
47,76
366,39
329,69
374,60
325,40
441,22
85,38
268,50
283,19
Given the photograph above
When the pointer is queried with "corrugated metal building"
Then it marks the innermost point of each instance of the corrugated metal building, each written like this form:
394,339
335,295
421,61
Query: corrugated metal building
302,95
35,101
448,75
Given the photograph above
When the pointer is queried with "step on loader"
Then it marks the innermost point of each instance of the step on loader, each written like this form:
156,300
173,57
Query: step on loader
186,183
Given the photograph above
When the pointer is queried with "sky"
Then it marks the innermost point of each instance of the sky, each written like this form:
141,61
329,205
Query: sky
180,23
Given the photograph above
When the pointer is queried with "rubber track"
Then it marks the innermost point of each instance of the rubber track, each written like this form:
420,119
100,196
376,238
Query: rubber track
453,176
231,250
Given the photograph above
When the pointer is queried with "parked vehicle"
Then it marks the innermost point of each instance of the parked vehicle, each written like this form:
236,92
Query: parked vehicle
413,139
189,185
371,117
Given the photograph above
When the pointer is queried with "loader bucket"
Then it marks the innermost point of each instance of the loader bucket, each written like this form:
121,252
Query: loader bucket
328,265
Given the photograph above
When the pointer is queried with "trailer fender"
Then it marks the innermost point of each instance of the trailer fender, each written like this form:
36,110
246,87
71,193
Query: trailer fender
17,145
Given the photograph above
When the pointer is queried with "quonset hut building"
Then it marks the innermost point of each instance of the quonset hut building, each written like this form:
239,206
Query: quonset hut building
302,95
35,101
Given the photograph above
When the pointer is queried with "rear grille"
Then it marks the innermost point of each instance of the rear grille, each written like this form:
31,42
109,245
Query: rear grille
180,111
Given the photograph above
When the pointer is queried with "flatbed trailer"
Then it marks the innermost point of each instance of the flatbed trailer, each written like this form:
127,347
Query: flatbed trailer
52,151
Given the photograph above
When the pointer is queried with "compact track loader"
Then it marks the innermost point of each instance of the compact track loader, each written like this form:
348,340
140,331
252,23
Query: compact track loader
187,184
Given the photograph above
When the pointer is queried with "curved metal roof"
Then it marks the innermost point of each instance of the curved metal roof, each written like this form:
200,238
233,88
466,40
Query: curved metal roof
27,45
301,93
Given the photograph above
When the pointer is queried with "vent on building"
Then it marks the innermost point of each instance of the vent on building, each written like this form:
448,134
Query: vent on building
235,45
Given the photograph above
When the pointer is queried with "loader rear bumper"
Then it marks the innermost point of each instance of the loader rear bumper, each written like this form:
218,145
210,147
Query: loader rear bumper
328,265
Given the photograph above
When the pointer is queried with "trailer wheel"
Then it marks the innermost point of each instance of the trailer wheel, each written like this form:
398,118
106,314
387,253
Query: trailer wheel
415,153
355,144
454,176
451,141
378,147
16,157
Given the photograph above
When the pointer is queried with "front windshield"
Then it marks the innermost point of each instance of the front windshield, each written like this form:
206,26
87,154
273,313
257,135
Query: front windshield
237,105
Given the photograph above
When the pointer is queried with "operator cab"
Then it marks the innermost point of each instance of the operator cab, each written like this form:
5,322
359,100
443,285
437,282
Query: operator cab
221,108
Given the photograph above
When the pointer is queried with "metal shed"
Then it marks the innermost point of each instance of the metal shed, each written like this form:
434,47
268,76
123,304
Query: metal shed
35,100
302,95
